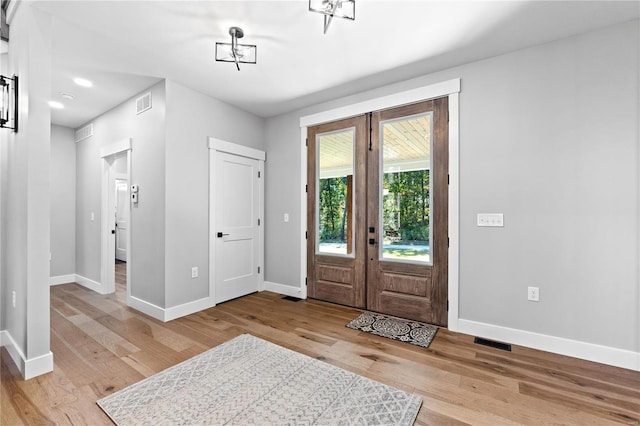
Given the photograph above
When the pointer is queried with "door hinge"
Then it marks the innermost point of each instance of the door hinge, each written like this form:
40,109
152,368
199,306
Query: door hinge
258,174
306,281
258,222
306,142
259,272
306,188
370,131
447,306
447,241
306,235
448,179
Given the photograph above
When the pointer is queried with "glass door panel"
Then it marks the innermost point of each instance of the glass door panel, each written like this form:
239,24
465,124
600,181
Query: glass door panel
405,189
334,189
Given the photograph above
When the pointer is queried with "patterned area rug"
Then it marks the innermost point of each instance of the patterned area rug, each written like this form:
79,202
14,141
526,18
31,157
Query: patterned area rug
248,380
394,328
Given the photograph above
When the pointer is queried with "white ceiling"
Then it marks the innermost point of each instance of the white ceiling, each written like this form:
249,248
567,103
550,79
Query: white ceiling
126,46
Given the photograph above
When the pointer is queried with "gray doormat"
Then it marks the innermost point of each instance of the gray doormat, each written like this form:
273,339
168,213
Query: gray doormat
395,328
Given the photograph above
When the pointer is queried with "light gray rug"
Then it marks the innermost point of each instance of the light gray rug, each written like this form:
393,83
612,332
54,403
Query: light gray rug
248,380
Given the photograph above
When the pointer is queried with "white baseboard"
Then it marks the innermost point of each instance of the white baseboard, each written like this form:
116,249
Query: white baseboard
287,290
62,279
188,308
90,284
145,307
587,351
168,314
29,368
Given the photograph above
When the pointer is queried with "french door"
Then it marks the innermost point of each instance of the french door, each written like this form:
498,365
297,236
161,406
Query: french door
377,211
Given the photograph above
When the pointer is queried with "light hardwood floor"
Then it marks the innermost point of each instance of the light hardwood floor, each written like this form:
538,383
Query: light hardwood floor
101,346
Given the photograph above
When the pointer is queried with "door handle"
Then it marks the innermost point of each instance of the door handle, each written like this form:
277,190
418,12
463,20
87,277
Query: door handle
220,234
113,231
372,241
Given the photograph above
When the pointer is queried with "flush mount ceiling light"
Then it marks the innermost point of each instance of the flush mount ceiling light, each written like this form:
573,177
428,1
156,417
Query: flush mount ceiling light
82,82
345,9
9,106
234,52
56,104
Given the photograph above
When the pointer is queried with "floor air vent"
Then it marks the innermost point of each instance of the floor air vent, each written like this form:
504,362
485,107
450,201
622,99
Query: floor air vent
492,344
143,103
291,299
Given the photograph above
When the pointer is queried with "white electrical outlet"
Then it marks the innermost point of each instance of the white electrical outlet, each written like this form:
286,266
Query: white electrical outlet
13,298
533,294
286,217
194,272
490,219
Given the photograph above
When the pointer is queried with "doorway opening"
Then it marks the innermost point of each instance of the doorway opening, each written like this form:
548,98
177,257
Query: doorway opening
116,224
121,227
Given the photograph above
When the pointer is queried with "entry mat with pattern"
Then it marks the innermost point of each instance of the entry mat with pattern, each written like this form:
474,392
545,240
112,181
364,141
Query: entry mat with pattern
395,328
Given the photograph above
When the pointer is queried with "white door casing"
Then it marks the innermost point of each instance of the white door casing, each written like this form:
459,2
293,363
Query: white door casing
450,88
236,232
122,218
108,203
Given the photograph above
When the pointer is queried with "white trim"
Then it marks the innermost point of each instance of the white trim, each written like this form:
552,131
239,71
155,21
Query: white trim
396,99
235,149
29,368
146,307
303,213
186,309
450,88
115,148
168,314
262,226
287,290
215,146
454,211
107,205
587,351
62,279
90,284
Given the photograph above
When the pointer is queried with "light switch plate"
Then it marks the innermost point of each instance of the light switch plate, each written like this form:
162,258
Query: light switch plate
491,219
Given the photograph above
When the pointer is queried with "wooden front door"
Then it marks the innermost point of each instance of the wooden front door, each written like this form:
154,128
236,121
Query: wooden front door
377,211
407,212
336,211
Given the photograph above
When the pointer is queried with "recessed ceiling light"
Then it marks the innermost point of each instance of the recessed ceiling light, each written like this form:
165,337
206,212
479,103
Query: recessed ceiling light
56,105
67,96
82,82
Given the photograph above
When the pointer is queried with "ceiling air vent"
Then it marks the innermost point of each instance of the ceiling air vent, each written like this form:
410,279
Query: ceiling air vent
143,103
84,132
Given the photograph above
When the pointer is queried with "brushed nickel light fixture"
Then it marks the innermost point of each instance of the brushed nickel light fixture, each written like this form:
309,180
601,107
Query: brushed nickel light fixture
235,52
9,106
345,9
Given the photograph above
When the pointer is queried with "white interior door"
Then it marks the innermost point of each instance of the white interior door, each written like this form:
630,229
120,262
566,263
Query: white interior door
236,232
122,219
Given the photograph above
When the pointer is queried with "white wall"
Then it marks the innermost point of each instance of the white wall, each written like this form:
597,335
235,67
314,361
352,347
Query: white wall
169,224
147,131
549,137
191,118
63,202
25,192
